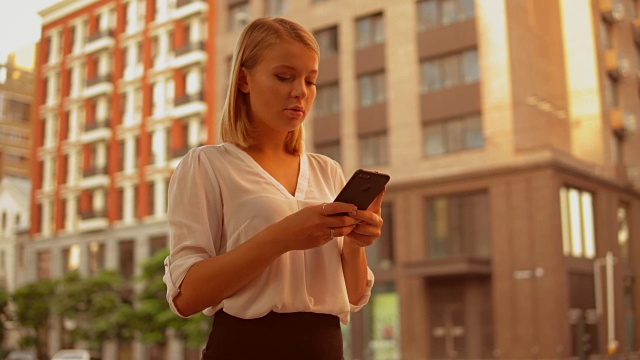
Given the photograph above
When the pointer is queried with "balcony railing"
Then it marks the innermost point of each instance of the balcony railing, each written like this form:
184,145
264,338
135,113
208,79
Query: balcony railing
189,47
93,171
91,214
96,125
187,98
174,153
98,79
99,35
182,3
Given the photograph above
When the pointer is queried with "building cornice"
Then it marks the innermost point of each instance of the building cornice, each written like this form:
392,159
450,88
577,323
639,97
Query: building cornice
62,9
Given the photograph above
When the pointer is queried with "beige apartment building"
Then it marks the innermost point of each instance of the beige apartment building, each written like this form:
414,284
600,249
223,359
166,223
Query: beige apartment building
16,99
509,129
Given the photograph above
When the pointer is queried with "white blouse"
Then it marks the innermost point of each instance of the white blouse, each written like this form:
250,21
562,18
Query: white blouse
219,197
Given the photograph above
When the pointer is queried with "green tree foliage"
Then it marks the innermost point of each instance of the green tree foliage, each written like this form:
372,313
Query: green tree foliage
94,308
4,314
32,312
154,315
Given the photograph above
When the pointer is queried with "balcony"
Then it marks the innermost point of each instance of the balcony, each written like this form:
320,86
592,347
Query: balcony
94,177
98,85
93,220
93,171
616,66
622,123
96,131
185,8
190,53
189,104
611,10
99,40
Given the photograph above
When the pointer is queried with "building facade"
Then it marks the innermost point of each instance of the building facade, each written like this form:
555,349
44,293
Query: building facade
16,99
508,129
120,97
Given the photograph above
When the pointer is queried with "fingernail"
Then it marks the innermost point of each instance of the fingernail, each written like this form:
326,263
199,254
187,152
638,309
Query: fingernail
353,213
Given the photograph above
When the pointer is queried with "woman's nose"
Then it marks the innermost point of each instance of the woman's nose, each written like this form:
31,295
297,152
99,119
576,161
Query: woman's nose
299,89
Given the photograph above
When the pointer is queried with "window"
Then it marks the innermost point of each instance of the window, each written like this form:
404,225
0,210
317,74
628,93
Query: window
152,197
606,37
452,70
276,7
158,243
71,258
43,270
453,135
611,92
17,110
96,257
623,231
373,149
380,253
238,16
458,225
126,258
372,89
331,149
328,41
436,13
327,100
578,233
370,31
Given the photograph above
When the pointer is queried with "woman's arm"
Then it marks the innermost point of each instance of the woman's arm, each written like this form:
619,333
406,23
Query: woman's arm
228,273
354,259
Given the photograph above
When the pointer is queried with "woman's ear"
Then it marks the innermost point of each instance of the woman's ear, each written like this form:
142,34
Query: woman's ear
243,80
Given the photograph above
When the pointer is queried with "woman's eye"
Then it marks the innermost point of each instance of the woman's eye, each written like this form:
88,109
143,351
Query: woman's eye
311,83
283,78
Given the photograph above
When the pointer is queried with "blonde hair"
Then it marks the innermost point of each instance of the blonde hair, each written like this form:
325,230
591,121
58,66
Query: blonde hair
255,39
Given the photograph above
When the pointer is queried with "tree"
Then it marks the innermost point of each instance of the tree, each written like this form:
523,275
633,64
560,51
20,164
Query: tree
154,315
4,316
32,312
93,308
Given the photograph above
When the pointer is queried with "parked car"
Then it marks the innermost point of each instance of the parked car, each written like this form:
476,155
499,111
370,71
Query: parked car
22,355
72,354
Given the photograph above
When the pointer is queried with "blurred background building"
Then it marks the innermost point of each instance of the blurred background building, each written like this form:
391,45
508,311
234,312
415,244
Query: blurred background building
509,129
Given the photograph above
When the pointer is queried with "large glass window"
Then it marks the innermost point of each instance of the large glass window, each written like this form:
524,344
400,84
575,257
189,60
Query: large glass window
328,41
96,257
453,135
330,149
436,13
276,7
44,265
578,233
458,225
380,254
374,150
327,100
126,259
369,31
372,89
623,231
450,71
238,16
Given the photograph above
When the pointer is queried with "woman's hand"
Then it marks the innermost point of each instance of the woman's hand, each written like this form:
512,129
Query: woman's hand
314,226
369,225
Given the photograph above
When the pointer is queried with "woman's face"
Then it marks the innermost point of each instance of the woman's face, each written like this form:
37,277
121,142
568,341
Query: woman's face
281,87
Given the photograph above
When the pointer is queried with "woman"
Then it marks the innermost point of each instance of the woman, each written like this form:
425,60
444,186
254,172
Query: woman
252,238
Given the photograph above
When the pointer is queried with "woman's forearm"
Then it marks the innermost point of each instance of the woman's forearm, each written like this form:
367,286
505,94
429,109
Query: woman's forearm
212,280
354,267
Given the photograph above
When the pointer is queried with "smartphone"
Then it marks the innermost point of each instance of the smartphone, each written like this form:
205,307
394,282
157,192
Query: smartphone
362,188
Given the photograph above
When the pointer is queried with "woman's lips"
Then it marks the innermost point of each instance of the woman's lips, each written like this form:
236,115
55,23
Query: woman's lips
294,113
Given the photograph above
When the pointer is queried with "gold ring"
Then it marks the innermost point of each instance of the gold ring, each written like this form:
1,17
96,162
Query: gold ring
331,232
324,211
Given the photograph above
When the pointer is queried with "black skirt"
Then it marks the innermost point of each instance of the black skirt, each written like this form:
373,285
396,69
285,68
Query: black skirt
303,335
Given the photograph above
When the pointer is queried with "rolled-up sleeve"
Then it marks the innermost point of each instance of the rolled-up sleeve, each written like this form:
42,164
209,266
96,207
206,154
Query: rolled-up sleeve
339,182
194,215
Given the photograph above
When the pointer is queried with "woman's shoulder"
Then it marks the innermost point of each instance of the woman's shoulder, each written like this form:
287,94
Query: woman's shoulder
321,159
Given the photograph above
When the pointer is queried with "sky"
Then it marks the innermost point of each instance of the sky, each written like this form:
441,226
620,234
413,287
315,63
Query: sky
20,23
